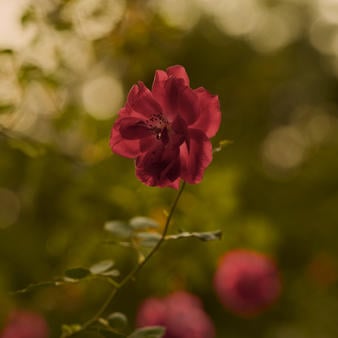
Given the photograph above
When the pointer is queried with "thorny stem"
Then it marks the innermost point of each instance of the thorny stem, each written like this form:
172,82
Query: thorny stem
137,268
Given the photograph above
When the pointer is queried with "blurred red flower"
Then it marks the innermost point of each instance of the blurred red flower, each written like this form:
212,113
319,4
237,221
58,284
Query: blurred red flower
181,313
167,129
247,282
24,324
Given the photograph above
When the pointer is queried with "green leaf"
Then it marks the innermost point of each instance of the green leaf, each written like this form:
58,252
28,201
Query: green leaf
203,236
7,51
28,16
148,239
143,223
118,229
101,267
117,320
30,72
111,273
221,145
77,273
29,148
148,332
68,330
6,108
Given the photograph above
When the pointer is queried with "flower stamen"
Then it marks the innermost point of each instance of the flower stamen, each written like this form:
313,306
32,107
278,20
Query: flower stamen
159,125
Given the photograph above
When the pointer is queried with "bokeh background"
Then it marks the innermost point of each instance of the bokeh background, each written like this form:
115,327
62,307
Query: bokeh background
65,70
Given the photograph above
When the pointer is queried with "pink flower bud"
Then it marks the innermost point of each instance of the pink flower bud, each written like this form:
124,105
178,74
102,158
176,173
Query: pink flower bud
24,324
247,282
181,313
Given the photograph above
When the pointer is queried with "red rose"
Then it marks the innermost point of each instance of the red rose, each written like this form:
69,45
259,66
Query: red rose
247,282
167,129
24,324
180,313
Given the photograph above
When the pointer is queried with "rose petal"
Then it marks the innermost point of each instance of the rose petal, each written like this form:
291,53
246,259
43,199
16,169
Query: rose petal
159,166
179,72
179,132
125,147
141,99
158,85
132,128
209,117
174,95
188,105
179,100
196,158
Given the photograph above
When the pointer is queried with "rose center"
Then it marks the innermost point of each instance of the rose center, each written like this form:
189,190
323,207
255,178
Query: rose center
159,125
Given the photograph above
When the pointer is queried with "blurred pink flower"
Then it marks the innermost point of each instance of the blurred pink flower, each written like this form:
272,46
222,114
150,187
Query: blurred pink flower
24,324
167,129
180,313
247,282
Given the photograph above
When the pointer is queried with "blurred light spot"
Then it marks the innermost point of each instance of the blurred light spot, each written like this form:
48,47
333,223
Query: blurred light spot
328,10
42,52
183,14
284,148
12,34
334,64
39,100
20,120
324,37
94,19
102,96
259,233
96,152
75,52
237,17
9,208
319,127
9,91
71,141
275,29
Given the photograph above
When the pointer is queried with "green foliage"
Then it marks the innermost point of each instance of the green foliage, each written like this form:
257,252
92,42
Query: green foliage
77,273
117,320
203,236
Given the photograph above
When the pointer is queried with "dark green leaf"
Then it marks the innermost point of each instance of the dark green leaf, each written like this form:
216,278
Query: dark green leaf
77,273
148,332
142,223
117,320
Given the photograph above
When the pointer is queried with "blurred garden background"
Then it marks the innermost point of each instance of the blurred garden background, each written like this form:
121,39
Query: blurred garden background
65,70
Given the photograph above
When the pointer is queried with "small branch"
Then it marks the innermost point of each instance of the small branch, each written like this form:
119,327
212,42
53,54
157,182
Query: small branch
136,269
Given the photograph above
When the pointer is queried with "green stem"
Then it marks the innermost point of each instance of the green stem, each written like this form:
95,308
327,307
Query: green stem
158,244
138,267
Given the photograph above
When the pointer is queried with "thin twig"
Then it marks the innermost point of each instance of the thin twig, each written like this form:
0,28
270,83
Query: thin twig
136,269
